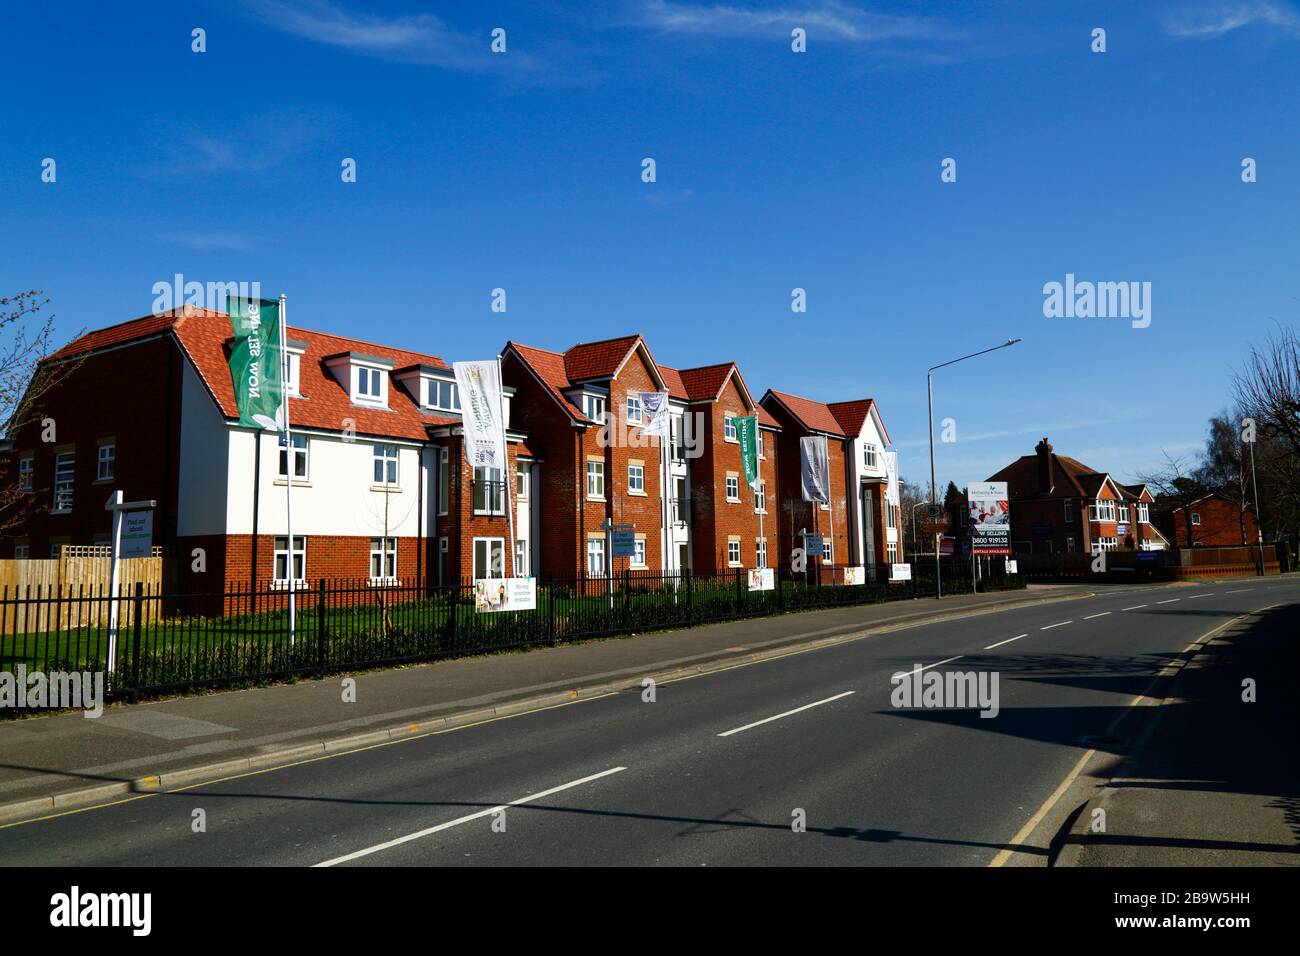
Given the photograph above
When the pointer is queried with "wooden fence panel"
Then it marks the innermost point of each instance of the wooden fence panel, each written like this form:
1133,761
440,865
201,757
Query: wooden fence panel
73,590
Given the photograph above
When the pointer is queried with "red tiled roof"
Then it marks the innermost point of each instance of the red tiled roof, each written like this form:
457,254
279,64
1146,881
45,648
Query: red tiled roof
765,418
705,384
204,335
852,415
813,416
548,366
603,359
673,382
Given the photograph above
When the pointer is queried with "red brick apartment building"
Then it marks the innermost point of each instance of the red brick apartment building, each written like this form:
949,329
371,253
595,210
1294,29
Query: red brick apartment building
859,526
1216,521
1060,505
686,497
380,488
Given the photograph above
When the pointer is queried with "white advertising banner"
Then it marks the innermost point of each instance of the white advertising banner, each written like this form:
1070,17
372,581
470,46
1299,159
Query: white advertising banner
654,412
814,468
891,476
505,594
762,579
479,384
900,572
855,575
137,534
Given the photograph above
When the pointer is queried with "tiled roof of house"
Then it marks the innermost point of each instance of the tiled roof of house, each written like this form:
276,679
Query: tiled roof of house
706,382
588,360
205,335
852,416
549,367
811,415
1070,478
673,382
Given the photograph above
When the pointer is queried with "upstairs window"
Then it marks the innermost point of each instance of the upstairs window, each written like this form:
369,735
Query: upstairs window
633,408
593,406
65,465
489,491
25,466
1144,516
370,385
729,427
299,458
1196,517
869,455
385,464
105,462
595,479
293,380
636,479
760,498
733,487
442,395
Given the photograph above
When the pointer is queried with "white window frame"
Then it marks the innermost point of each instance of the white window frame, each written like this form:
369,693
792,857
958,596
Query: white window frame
761,450
760,498
891,552
375,390
490,545
293,386
869,456
1196,518
26,472
636,479
523,472
729,427
385,551
443,489
386,463
65,479
1144,513
595,480
638,553
593,406
596,557
301,450
1123,512
733,552
488,487
110,459
633,408
760,552
281,558
733,482
441,394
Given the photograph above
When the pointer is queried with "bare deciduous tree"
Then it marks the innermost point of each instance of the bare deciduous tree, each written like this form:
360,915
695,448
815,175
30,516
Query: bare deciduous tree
1176,487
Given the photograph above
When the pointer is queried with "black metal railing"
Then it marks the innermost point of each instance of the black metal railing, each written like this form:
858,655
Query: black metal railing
167,641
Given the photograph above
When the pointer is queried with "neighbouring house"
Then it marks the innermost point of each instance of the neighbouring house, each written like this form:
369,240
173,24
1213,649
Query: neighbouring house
859,527
1214,520
1059,504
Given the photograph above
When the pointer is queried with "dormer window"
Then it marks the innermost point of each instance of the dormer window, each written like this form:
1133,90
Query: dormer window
441,394
293,381
364,376
593,406
369,385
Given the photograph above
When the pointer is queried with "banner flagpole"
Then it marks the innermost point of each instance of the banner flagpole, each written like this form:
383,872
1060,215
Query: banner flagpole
505,468
290,570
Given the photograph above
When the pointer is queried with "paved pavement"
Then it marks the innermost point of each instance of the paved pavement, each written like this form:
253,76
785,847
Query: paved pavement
721,768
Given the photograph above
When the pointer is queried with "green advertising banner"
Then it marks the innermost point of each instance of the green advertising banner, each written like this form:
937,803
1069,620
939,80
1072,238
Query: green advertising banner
747,435
255,361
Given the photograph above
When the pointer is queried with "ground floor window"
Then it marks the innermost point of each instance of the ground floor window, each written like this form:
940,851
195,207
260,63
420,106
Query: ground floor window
892,550
596,557
521,558
760,553
733,552
383,558
282,558
489,558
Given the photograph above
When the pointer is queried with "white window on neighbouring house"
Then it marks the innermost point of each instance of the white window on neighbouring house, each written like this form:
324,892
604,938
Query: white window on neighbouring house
891,516
633,408
1104,544
282,558
595,479
729,427
25,466
383,559
65,466
489,558
759,432
826,548
300,449
638,553
760,498
105,462
1196,517
522,470
676,438
521,558
596,557
891,550
869,455
1103,509
293,384
385,464
1123,511
733,552
593,406
733,487
1144,515
636,479
489,491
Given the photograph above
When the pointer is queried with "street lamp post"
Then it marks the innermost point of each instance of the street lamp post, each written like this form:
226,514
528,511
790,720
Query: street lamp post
934,488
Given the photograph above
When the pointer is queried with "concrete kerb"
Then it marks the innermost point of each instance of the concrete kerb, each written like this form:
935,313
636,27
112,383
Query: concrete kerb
36,807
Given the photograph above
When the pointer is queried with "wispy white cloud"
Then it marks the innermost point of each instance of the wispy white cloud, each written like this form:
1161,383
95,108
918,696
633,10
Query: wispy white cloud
251,147
823,19
1215,21
420,38
210,241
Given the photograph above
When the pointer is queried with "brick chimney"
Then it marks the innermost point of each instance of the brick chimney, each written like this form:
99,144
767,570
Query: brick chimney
1044,451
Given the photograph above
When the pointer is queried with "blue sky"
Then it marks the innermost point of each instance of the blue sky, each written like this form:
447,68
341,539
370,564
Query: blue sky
775,170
